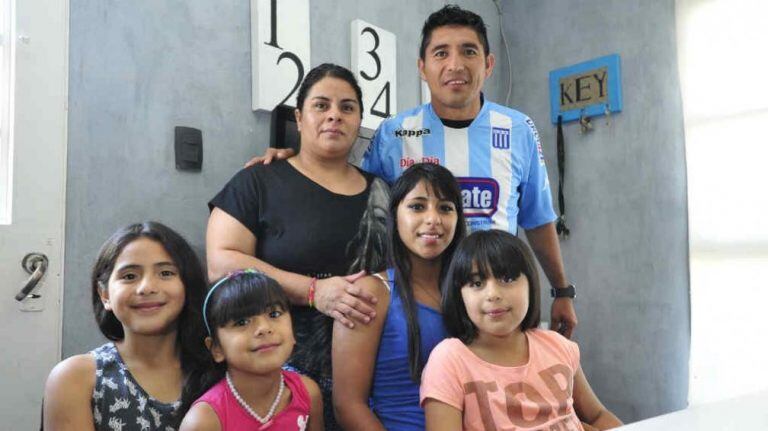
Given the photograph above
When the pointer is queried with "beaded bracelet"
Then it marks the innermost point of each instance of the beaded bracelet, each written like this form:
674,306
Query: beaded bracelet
311,295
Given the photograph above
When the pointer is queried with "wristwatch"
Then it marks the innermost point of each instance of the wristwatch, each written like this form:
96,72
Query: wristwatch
564,292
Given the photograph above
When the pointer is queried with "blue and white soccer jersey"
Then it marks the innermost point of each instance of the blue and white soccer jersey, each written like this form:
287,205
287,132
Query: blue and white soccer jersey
497,160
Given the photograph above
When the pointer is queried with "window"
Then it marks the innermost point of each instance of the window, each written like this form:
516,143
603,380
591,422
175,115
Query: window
721,45
7,39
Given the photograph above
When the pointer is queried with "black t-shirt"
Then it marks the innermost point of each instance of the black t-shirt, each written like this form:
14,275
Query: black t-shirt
304,228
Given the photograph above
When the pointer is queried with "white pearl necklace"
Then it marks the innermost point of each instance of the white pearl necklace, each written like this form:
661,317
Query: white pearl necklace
248,408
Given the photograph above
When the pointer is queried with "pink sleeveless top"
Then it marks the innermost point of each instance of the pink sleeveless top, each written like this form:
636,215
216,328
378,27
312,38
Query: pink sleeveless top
232,416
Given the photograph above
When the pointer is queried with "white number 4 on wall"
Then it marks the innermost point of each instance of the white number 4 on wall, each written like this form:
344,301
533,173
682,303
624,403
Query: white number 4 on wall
374,65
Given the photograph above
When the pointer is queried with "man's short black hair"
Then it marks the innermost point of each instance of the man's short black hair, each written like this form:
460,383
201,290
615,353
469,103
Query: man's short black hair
453,15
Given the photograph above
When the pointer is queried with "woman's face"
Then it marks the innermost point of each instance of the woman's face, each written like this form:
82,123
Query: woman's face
426,223
330,119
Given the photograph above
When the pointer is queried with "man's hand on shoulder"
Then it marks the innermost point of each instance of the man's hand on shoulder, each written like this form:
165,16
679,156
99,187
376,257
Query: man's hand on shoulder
269,155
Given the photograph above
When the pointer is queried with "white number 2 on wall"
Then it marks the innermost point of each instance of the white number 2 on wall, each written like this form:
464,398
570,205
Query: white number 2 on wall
374,64
279,51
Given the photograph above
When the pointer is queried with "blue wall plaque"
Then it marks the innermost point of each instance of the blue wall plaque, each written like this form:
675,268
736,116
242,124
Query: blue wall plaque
586,89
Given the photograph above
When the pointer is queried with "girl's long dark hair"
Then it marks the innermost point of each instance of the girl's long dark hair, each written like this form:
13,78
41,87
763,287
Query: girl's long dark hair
190,334
236,296
445,187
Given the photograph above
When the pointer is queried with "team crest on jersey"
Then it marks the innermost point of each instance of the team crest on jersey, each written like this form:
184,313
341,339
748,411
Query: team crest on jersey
500,138
480,196
407,133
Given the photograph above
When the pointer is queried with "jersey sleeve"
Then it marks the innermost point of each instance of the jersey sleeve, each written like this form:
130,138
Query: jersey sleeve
535,194
240,198
374,159
442,376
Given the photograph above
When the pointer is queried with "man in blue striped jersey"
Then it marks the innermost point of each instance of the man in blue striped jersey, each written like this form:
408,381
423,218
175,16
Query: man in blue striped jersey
494,151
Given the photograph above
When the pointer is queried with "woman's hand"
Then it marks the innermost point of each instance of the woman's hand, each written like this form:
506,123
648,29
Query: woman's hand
338,298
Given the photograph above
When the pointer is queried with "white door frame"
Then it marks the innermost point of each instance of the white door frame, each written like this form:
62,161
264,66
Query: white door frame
31,340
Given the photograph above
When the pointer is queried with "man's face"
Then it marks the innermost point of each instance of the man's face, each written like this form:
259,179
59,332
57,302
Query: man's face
455,68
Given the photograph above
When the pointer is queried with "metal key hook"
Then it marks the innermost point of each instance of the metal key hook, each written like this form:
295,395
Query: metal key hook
585,122
35,264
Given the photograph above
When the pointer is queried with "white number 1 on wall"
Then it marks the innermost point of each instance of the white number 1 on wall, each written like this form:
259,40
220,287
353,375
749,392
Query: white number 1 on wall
279,51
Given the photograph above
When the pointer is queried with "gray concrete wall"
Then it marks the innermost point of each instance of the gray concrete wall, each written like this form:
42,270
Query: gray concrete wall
139,68
625,193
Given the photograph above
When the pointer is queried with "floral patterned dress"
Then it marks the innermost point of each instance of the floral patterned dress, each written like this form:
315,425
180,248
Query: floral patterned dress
120,403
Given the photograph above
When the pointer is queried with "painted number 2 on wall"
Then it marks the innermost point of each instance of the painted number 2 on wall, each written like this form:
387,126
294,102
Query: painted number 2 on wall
279,51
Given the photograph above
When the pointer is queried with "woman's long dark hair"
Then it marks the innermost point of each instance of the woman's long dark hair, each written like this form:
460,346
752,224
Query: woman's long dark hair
444,186
238,295
190,333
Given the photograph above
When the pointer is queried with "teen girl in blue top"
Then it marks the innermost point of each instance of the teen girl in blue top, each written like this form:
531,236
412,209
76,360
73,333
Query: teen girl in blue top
425,225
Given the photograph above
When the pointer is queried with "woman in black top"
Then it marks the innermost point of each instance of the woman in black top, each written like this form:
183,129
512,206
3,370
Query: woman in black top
308,222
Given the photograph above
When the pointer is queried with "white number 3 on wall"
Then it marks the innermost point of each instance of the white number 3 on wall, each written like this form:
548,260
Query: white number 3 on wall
374,65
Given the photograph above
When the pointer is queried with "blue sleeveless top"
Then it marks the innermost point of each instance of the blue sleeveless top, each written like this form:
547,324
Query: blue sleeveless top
394,396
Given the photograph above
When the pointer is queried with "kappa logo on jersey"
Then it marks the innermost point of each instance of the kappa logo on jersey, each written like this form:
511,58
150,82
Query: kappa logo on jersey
406,133
500,138
480,196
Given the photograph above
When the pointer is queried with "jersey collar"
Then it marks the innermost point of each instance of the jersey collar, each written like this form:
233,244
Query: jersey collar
481,113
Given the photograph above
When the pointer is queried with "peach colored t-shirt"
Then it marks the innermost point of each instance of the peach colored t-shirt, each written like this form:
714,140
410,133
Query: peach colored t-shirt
535,396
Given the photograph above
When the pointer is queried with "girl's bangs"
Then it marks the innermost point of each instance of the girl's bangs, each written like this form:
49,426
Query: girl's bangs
239,300
488,259
508,264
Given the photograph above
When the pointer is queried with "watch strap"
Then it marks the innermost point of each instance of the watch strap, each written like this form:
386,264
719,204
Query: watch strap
564,292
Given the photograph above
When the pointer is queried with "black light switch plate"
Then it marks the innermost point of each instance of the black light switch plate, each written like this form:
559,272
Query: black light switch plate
188,145
283,132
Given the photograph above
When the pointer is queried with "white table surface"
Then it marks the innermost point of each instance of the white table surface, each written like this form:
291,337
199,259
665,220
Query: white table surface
749,412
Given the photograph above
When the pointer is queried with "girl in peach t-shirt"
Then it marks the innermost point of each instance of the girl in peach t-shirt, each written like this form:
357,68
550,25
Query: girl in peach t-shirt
500,372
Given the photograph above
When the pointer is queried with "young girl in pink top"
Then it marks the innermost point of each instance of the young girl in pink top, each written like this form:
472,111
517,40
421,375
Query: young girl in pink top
250,337
501,372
